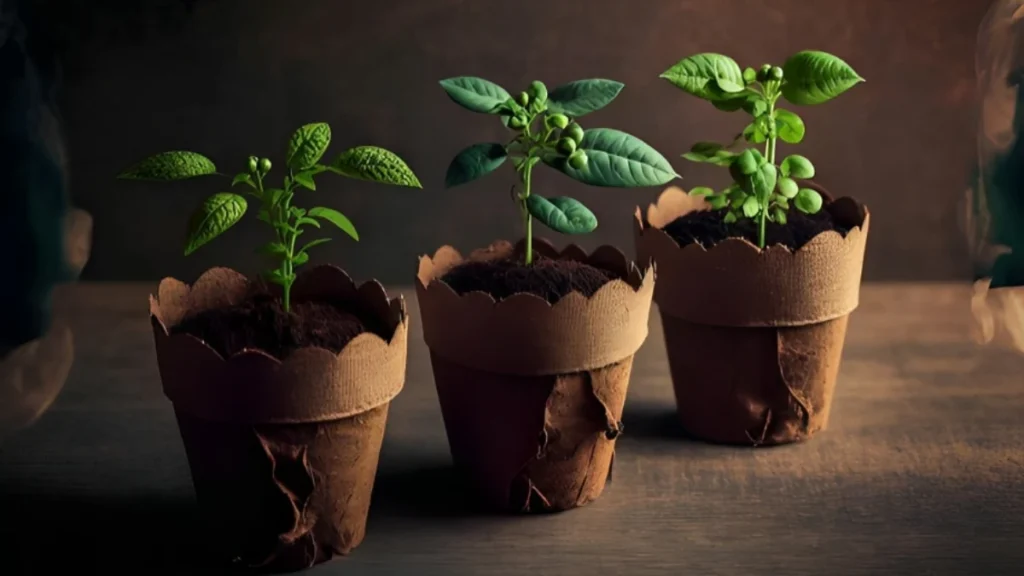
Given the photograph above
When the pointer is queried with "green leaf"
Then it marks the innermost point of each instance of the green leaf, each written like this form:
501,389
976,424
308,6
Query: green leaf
813,77
307,145
791,127
218,213
240,178
748,162
474,162
709,76
277,277
755,133
274,249
796,166
788,187
305,180
375,164
736,197
780,216
761,183
263,216
717,201
475,94
582,97
300,258
562,214
730,218
751,207
808,201
299,222
711,153
167,166
782,202
617,160
336,218
314,243
749,75
701,191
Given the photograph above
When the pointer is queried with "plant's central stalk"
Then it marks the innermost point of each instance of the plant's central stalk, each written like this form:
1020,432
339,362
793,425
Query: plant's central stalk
527,218
771,94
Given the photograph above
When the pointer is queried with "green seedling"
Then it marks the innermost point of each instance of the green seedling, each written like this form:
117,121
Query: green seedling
546,131
761,189
305,149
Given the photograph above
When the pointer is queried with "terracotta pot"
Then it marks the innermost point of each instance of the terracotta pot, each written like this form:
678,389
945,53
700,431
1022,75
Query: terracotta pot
532,393
283,454
754,337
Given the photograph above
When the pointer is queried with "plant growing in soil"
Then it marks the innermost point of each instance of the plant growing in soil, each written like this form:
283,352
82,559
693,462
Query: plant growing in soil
761,189
305,149
545,130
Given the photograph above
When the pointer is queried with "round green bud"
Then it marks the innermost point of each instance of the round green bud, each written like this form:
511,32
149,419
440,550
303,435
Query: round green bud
766,68
578,160
524,99
253,163
539,91
567,146
265,165
776,73
574,131
517,122
558,120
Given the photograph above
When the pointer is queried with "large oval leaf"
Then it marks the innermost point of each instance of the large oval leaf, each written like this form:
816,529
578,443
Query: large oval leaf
475,94
307,145
617,160
475,161
709,76
582,97
167,166
334,217
375,164
562,214
218,213
813,77
790,127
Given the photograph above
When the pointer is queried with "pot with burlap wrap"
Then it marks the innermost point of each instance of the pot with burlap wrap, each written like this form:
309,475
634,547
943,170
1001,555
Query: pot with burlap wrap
532,392
754,337
283,454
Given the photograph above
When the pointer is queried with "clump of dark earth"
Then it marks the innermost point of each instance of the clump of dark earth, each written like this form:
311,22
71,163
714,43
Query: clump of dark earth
548,278
708,227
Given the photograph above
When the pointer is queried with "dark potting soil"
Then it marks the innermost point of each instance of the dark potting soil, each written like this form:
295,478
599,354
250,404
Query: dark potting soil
261,322
547,278
708,227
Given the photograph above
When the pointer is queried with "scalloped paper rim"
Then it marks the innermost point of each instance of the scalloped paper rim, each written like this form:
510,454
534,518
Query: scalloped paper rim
311,385
524,334
735,283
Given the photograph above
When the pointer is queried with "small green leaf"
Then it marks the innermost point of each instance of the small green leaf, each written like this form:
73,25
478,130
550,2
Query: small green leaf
300,259
730,217
582,97
218,213
617,160
717,201
796,166
701,191
277,277
307,145
780,216
711,153
814,77
263,216
240,178
808,201
375,164
474,162
336,218
562,214
314,243
748,162
274,249
761,183
476,94
167,166
782,202
305,180
791,127
708,76
751,207
788,187
736,198
755,133
299,222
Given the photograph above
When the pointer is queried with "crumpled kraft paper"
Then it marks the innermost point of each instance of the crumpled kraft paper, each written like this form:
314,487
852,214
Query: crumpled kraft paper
532,404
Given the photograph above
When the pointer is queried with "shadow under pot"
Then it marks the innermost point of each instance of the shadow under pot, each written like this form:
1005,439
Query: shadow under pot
754,337
532,365
282,414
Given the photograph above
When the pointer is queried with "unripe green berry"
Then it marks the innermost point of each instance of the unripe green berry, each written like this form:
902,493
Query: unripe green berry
776,73
567,146
253,163
517,122
578,160
539,91
524,99
574,131
265,165
558,120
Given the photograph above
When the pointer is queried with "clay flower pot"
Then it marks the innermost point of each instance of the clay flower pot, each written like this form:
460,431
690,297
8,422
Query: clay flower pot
754,337
283,453
532,392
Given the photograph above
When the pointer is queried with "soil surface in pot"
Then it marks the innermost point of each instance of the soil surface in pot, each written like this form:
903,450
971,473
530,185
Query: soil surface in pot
550,279
262,323
708,228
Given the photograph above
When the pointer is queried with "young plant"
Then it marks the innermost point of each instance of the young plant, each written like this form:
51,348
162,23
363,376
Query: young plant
302,162
761,189
546,130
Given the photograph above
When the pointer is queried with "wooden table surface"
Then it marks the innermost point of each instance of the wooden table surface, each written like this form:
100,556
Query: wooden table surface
920,472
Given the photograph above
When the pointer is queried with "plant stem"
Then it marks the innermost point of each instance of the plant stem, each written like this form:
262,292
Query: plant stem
527,218
769,153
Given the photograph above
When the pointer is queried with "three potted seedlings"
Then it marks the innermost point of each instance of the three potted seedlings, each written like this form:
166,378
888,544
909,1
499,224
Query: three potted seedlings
280,386
532,347
756,281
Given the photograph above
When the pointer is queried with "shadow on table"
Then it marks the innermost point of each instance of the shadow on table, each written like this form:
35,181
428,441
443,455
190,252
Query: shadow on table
654,421
98,534
431,490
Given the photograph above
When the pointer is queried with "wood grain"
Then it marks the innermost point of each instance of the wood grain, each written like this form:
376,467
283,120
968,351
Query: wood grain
920,472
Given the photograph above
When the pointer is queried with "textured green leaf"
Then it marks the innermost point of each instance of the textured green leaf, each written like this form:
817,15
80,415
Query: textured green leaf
474,162
710,153
808,201
562,214
374,164
307,145
167,166
761,183
790,126
218,213
336,218
747,162
813,77
797,166
476,94
582,97
617,160
305,180
750,207
709,76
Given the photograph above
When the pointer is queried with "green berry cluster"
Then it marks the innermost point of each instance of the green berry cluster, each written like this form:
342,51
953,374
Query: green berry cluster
559,132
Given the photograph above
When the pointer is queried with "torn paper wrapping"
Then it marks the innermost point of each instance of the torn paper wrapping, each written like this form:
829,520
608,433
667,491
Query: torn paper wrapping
283,453
754,337
532,393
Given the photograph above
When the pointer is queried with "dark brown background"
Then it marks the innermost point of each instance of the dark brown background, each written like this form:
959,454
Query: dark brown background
237,76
